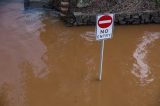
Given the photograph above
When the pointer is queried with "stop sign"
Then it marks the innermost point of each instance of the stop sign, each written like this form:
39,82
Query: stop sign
105,21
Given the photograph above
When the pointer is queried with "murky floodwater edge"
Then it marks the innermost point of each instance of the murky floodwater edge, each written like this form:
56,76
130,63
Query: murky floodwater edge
44,63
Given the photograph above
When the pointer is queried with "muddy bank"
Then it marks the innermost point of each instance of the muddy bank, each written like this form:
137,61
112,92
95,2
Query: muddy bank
84,12
126,12
145,17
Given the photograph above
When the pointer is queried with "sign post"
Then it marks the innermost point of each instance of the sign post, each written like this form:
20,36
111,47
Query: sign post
101,59
104,29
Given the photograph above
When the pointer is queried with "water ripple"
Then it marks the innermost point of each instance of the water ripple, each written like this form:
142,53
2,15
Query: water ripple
89,36
20,43
140,68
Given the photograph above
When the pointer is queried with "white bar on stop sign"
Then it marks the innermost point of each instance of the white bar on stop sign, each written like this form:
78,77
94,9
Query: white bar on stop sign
105,21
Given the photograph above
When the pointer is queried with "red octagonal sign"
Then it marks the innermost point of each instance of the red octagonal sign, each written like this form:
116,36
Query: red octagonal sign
105,21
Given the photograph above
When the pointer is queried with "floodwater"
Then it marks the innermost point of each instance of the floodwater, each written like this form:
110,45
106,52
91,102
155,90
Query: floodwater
44,63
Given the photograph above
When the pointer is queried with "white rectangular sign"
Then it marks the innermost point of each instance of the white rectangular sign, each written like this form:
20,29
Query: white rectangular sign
104,26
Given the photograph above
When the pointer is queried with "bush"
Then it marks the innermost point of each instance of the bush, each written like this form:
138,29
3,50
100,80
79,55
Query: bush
158,1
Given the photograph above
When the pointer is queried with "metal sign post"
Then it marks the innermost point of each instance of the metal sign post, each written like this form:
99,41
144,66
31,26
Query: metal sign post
104,28
101,59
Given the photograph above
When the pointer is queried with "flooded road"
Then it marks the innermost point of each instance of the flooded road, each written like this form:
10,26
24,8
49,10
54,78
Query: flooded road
44,63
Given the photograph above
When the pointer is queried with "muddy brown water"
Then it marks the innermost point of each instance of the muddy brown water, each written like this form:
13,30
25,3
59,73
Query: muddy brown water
44,63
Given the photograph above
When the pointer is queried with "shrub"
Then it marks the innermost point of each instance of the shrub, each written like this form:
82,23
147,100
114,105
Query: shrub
158,1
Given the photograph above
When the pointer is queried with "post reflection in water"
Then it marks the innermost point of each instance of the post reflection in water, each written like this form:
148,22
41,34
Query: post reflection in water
44,63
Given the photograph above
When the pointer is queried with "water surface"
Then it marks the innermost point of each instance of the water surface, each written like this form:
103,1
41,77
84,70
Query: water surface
44,63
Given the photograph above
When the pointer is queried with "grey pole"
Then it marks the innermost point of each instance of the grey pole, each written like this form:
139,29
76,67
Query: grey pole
101,59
